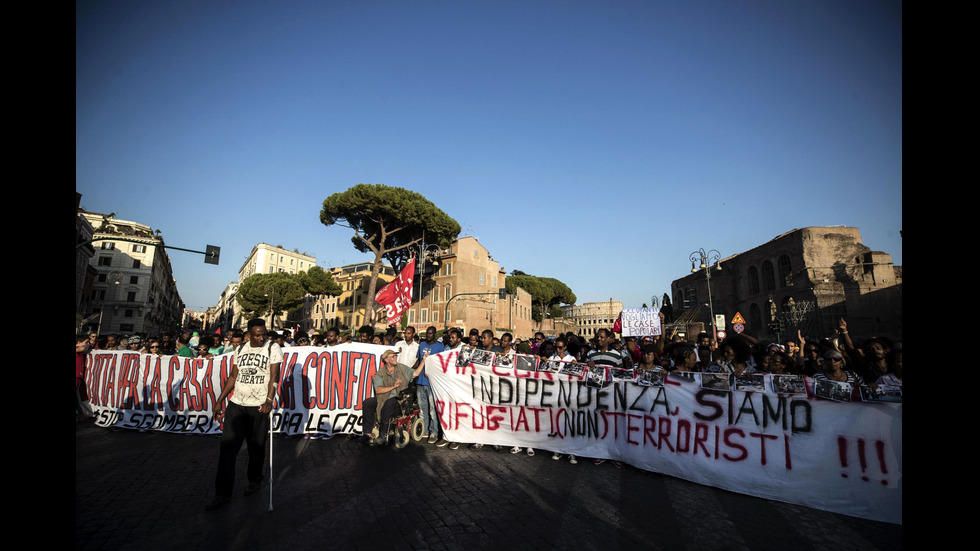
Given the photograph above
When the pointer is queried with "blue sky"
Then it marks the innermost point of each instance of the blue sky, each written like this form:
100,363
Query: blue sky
596,142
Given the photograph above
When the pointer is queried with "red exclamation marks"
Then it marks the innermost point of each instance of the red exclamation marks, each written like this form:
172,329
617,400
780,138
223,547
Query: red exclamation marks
842,451
862,458
880,448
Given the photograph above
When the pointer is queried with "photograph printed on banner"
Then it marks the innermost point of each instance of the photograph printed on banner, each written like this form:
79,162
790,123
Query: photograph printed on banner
482,357
622,374
597,376
650,377
832,390
551,366
573,369
881,393
788,384
465,353
752,382
526,362
685,375
504,360
716,381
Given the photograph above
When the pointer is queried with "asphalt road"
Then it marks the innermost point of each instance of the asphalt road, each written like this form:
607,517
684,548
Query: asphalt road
147,491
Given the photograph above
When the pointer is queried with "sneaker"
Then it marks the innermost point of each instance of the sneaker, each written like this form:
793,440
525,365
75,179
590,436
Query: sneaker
619,464
253,488
433,439
530,452
556,456
572,460
454,445
424,436
598,461
476,446
217,503
365,439
515,449
441,443
379,441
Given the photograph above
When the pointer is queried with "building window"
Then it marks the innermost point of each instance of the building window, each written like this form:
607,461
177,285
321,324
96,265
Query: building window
131,296
105,261
411,316
495,281
128,313
753,280
108,246
136,263
755,317
449,292
447,269
134,280
768,277
785,272
103,278
98,294
139,248
482,279
435,316
424,316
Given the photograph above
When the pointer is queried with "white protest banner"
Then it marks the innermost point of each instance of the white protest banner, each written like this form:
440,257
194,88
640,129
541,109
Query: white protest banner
840,457
640,322
321,390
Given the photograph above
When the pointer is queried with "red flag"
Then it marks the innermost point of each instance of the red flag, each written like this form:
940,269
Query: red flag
396,296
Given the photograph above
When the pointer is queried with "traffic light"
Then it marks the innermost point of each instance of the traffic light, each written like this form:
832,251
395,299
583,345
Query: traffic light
211,254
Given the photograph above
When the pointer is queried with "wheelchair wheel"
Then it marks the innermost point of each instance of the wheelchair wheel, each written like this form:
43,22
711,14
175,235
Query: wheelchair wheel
401,437
418,429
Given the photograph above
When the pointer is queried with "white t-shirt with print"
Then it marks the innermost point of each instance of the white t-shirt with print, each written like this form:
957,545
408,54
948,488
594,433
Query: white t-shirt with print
252,384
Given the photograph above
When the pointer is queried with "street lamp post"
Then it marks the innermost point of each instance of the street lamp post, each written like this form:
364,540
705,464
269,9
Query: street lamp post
272,305
706,260
421,251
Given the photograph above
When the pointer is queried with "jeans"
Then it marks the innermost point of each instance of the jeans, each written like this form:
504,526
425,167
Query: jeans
427,403
242,424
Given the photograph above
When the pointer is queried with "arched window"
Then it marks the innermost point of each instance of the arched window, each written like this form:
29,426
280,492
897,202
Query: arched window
755,317
768,276
785,272
753,280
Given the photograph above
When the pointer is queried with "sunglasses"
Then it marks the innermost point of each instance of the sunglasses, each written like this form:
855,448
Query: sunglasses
834,359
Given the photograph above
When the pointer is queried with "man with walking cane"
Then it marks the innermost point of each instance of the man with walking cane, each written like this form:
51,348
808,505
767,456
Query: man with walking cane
254,379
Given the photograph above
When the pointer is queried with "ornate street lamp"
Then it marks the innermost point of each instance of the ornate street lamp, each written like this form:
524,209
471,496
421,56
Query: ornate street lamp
704,260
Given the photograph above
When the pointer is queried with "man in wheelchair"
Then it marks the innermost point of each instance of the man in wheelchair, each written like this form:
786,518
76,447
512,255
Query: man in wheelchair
389,382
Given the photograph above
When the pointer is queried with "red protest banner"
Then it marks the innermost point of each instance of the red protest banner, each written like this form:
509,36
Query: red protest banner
396,296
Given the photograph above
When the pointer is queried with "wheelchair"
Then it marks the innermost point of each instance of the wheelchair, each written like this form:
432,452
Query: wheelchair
406,425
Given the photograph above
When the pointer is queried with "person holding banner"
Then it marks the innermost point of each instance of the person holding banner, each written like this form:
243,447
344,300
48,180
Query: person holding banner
391,379
427,402
254,379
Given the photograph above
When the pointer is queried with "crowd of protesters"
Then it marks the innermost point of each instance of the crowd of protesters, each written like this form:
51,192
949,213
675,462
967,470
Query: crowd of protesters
872,361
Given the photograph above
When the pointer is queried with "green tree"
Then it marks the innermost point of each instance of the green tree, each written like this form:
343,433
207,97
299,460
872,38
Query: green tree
318,282
387,222
546,292
261,294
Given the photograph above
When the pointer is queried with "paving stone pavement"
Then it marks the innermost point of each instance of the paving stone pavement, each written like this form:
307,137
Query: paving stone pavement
147,491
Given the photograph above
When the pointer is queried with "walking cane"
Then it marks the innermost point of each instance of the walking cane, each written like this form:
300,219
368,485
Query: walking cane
270,459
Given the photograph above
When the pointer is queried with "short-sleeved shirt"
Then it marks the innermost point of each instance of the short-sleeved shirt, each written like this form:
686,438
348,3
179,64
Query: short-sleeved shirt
433,348
254,368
